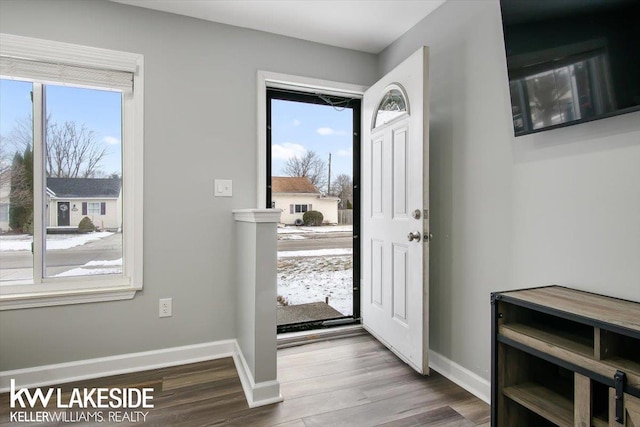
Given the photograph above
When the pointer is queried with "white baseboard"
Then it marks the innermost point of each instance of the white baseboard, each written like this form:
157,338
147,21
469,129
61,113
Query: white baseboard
460,375
263,393
257,394
114,365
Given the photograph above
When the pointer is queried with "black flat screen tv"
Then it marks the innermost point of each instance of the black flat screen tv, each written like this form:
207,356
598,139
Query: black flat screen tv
571,61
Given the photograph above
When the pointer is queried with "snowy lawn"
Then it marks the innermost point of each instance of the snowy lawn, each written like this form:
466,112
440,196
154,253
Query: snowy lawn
22,242
94,268
291,237
292,229
312,279
315,253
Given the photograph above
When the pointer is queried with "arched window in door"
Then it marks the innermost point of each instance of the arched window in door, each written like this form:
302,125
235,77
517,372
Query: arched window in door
393,105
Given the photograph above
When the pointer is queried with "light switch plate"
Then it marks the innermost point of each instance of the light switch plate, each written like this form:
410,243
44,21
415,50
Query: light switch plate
222,188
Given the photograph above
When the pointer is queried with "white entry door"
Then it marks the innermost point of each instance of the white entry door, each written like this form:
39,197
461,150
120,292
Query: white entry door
395,243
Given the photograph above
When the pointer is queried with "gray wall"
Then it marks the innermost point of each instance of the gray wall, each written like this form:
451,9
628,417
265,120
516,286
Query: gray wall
200,124
558,207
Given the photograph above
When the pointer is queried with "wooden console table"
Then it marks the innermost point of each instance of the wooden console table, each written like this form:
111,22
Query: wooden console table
564,357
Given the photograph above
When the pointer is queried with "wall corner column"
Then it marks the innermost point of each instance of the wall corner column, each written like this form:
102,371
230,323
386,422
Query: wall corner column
256,271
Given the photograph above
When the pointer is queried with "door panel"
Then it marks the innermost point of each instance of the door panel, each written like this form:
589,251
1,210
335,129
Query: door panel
376,272
395,168
400,267
631,411
400,184
376,179
63,214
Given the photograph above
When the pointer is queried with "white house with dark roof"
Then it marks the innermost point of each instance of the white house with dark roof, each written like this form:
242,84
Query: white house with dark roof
297,195
71,199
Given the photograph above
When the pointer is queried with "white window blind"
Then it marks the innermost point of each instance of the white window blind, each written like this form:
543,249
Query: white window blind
48,72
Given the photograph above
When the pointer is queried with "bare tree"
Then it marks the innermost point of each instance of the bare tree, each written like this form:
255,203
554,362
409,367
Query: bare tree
342,187
311,166
5,164
71,149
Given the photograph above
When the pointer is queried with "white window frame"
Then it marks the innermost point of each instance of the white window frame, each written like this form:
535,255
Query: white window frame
91,208
42,291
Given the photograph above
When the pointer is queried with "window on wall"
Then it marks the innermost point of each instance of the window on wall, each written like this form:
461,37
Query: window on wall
93,208
301,208
71,123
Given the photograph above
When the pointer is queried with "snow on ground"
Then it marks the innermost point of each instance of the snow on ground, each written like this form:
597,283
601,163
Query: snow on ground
315,253
22,242
321,229
306,280
104,263
291,237
105,267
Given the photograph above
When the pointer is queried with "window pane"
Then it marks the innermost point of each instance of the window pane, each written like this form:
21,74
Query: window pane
16,181
392,105
315,263
83,165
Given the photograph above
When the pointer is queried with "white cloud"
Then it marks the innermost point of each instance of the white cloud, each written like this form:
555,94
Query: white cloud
111,140
287,150
330,131
345,153
296,122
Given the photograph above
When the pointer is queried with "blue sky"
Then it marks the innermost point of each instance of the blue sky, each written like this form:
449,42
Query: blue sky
298,127
98,110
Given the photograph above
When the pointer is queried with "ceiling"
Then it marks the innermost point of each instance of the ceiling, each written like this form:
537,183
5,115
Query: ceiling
367,26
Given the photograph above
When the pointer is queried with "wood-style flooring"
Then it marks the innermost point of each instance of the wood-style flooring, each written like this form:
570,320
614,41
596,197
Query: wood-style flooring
342,382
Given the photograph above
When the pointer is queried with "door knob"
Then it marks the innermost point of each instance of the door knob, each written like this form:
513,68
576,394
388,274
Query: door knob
414,236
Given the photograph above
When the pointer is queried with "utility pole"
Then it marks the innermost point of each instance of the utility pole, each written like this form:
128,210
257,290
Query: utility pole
329,183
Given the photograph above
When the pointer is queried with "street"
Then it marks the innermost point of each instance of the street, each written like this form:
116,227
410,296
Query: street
18,264
338,240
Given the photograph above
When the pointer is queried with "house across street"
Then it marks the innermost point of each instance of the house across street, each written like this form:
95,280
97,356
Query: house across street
71,199
297,195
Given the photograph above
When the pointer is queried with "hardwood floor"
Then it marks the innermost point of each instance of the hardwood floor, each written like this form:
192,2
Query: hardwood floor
342,382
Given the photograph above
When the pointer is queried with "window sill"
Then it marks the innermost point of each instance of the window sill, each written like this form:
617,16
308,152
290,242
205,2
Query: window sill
66,297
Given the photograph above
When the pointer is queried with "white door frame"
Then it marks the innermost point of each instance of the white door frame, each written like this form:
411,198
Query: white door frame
268,79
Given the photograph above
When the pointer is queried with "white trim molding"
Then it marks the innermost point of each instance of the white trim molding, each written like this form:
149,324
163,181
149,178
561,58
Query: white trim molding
257,215
95,67
49,299
267,80
60,373
260,394
470,381
264,393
